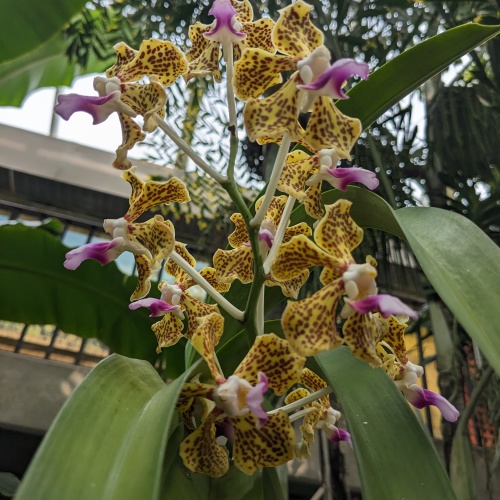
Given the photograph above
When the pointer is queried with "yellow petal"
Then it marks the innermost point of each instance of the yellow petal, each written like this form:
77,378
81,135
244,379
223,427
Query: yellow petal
273,116
240,233
270,446
296,255
289,288
234,264
312,202
290,232
201,453
195,309
124,55
310,324
395,337
198,42
168,331
271,355
146,195
131,135
189,391
338,234
173,269
156,236
361,335
294,34
210,274
154,57
296,395
206,64
295,174
144,271
257,70
259,35
328,127
315,383
244,10
275,210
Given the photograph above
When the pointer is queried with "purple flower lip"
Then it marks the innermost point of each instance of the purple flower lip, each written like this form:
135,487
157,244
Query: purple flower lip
223,29
267,237
420,398
156,306
104,252
341,435
330,82
387,305
347,176
255,398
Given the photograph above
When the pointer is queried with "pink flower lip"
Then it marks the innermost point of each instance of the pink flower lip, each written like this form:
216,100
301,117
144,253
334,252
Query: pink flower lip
387,305
255,398
420,398
104,252
95,106
347,176
224,30
266,236
156,306
341,435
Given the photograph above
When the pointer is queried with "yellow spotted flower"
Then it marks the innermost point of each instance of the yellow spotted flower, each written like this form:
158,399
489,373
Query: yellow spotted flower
233,24
310,325
176,302
238,263
150,241
257,439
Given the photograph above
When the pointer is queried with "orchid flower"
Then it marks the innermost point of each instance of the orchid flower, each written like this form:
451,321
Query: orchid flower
336,235
238,263
259,439
176,299
232,25
161,61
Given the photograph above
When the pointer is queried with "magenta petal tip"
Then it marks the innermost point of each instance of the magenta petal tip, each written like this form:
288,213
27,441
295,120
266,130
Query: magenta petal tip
387,305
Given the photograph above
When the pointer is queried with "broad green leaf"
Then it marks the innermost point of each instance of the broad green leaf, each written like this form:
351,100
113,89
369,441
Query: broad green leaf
462,469
396,458
46,66
25,25
109,440
463,266
394,80
91,301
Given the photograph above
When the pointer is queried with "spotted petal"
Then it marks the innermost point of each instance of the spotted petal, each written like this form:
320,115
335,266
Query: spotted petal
269,446
273,116
168,331
147,194
244,10
234,264
361,335
173,269
206,64
294,34
204,340
259,35
312,202
275,210
328,127
201,453
271,355
195,309
131,135
191,390
144,271
315,383
154,57
310,324
289,288
395,337
257,70
240,234
298,167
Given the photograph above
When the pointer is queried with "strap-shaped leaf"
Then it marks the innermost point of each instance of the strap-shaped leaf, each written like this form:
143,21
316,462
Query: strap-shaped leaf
394,80
395,457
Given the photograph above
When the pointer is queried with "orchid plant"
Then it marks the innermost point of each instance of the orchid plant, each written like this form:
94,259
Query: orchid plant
241,413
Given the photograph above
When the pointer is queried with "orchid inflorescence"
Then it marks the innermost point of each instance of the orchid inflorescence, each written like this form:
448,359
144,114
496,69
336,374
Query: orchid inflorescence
228,413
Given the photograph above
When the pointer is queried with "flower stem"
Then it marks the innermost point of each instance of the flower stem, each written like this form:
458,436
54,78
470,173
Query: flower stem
301,413
280,233
180,143
260,312
273,181
193,273
304,401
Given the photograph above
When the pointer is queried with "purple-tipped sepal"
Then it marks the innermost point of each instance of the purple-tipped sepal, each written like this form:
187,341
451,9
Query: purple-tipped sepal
331,81
255,398
266,237
338,435
156,306
420,398
386,305
99,107
345,176
226,27
104,252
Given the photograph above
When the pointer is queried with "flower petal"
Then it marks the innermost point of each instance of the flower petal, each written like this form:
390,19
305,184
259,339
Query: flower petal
420,398
156,306
259,35
240,234
195,309
269,446
289,288
387,305
345,176
310,324
168,331
341,435
147,194
298,167
223,31
104,252
131,135
312,202
395,338
294,34
315,383
144,271
244,10
255,398
361,334
234,264
271,355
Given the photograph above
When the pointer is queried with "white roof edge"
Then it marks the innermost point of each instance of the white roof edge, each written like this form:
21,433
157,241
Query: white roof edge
67,162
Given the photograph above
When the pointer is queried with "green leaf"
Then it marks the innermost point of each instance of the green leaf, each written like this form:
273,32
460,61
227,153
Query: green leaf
395,456
46,66
463,266
394,80
109,440
89,302
8,484
25,25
